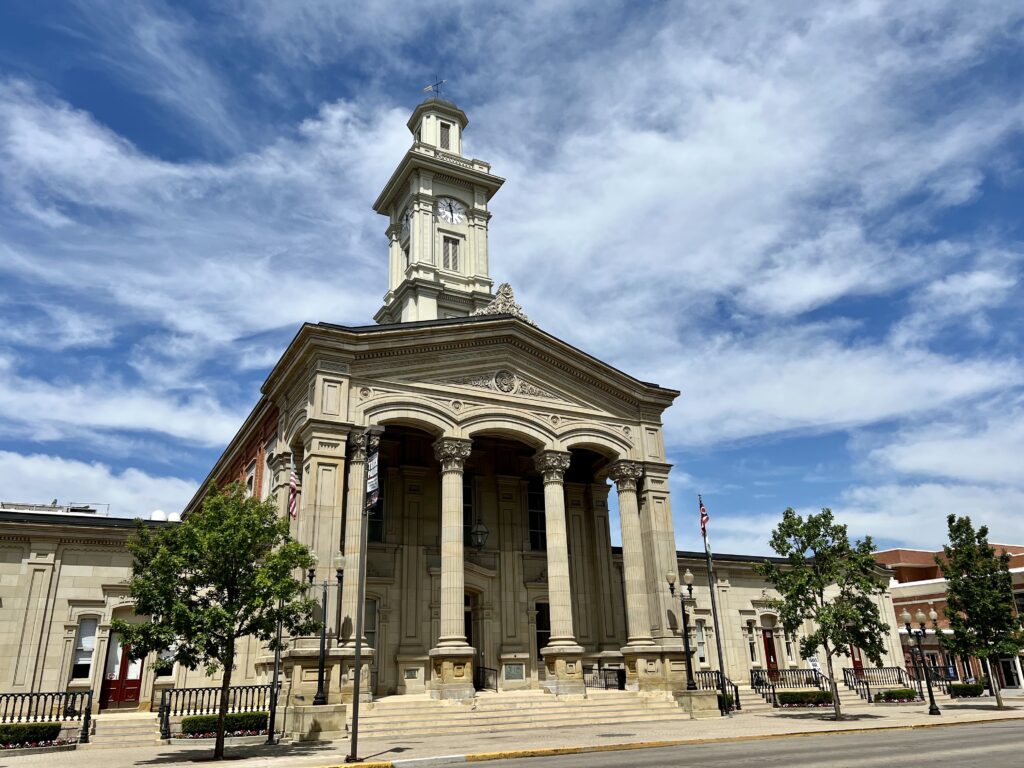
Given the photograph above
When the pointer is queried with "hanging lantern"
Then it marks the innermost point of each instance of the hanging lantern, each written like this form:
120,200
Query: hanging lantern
478,534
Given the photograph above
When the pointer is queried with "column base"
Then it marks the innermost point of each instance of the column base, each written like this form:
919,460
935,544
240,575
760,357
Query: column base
452,673
563,665
699,705
347,673
655,668
323,723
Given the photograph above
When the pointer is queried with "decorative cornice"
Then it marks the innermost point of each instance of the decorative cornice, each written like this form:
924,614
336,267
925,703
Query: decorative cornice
504,303
452,453
552,464
625,475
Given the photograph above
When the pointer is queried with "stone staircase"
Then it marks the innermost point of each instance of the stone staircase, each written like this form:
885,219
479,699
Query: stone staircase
751,701
127,729
419,715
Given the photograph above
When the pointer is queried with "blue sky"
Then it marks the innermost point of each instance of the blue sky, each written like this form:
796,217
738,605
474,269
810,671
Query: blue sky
807,217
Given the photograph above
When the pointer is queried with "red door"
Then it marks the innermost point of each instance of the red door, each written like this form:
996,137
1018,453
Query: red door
858,662
771,661
122,677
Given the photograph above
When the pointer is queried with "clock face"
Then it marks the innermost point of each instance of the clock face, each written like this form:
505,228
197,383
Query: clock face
451,210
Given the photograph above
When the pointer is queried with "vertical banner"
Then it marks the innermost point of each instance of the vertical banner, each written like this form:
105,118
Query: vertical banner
372,480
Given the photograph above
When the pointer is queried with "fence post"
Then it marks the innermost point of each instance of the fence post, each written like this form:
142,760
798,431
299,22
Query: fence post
86,718
165,720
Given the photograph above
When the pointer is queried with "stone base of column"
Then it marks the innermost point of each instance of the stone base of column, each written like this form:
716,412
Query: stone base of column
347,669
300,670
323,723
655,668
698,705
563,665
452,673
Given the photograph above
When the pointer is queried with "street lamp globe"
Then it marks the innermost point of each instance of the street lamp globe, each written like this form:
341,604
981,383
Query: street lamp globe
905,617
671,576
688,578
920,616
933,615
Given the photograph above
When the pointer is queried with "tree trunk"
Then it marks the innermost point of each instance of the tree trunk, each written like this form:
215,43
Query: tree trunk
832,683
225,696
994,683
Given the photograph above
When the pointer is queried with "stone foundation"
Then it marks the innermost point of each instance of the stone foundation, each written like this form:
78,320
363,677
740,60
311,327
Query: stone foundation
452,673
564,670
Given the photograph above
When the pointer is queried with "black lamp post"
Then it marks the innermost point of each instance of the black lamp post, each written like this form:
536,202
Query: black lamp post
933,708
691,684
339,567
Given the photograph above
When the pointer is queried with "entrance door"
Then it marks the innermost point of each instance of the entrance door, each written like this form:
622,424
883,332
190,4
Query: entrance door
1008,674
771,661
858,661
122,677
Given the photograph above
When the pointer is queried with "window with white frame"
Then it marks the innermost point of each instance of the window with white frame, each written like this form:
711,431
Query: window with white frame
446,136
268,472
450,259
165,663
789,647
702,643
752,641
85,644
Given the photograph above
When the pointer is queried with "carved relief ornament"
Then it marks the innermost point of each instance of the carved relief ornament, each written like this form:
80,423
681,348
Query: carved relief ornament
452,453
552,464
504,303
625,475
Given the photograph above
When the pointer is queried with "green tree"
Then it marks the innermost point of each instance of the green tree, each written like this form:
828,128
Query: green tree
226,572
829,582
979,598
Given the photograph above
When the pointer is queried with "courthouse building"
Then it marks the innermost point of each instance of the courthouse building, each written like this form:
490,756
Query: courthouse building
490,559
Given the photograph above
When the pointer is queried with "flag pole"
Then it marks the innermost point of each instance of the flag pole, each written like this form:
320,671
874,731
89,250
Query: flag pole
712,588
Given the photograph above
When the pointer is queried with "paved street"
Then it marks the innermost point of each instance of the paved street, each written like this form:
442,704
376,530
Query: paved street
990,745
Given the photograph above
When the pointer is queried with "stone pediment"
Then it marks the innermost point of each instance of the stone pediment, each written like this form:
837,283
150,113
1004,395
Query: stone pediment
504,381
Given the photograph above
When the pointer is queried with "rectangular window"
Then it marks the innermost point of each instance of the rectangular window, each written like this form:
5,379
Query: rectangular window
543,627
81,663
451,254
370,623
268,472
405,252
702,644
535,511
250,478
446,136
165,663
467,508
752,641
789,647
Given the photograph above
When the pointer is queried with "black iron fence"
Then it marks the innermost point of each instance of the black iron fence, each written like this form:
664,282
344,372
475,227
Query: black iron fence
606,679
938,675
877,677
708,680
55,707
767,681
203,701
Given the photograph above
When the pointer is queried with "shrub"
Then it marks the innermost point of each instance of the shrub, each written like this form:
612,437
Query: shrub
233,722
805,698
966,690
28,733
896,695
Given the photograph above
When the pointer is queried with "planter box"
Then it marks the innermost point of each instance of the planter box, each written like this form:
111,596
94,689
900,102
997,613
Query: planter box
37,750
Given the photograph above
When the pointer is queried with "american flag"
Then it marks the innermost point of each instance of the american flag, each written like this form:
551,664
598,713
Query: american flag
293,494
704,517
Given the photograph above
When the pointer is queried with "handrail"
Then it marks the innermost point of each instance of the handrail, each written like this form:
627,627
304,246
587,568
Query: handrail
708,680
48,707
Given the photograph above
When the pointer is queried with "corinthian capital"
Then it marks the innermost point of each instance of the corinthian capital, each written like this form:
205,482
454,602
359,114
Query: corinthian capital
552,464
452,453
357,444
625,474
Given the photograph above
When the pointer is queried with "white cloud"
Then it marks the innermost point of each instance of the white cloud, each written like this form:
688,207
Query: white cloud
38,478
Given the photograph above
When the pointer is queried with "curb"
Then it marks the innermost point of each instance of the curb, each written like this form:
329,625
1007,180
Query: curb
480,757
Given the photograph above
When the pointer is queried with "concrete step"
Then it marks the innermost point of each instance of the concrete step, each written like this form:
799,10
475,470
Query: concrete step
436,729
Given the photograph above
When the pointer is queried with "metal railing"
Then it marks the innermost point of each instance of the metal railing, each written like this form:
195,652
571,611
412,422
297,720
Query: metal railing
708,680
937,675
485,679
767,681
877,677
55,707
204,701
606,679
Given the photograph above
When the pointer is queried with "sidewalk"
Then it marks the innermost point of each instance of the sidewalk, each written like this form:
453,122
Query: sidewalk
483,746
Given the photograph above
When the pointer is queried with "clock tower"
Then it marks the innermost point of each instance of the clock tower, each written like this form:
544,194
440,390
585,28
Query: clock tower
436,204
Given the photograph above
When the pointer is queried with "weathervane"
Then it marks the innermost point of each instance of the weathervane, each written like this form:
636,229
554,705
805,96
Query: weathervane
434,87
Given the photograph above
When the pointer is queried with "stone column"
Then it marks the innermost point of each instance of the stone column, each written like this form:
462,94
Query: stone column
452,658
355,500
646,665
562,655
